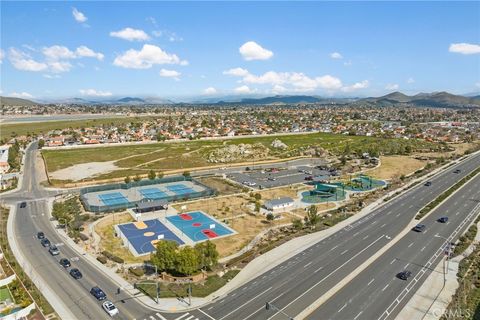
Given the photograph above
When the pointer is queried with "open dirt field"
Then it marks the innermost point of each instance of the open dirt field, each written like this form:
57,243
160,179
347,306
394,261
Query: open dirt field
395,166
109,242
222,186
84,170
460,149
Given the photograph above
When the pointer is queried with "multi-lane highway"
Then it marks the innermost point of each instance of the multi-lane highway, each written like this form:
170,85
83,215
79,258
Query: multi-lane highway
291,286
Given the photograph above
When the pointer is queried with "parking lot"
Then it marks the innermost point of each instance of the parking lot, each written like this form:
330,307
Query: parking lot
277,177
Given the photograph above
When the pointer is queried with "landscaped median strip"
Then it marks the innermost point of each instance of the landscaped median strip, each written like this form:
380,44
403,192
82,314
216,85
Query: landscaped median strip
430,206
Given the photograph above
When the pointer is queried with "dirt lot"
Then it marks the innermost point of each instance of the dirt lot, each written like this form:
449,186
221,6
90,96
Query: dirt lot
395,166
222,186
109,242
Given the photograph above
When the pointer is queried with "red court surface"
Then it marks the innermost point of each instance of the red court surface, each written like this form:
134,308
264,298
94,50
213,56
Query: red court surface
196,224
186,216
209,233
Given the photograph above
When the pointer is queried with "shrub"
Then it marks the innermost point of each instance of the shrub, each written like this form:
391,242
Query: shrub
102,259
83,236
139,272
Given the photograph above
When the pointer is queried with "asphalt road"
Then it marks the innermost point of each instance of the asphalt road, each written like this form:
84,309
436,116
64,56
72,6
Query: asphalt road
291,286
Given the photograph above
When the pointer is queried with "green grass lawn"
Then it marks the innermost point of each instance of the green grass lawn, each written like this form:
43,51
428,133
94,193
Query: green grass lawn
185,155
5,294
11,129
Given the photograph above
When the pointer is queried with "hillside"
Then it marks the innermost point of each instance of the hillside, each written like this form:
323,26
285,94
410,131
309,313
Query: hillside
9,101
435,99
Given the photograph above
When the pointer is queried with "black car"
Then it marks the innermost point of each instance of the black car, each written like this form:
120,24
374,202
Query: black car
45,242
65,262
419,228
457,171
98,293
23,204
404,275
40,235
428,184
75,273
443,219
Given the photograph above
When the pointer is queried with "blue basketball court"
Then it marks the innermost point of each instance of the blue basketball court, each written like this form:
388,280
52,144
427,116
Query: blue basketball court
199,226
143,235
153,193
114,198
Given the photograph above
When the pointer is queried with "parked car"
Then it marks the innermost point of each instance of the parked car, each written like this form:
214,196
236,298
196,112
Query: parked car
76,274
53,250
98,293
428,183
309,178
404,275
271,179
419,228
110,308
457,171
65,262
443,220
40,235
45,242
23,204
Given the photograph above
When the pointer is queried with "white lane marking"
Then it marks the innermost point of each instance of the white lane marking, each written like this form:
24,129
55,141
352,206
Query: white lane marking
327,276
342,307
241,306
344,252
206,314
398,215
411,244
308,264
457,213
182,316
385,287
370,282
365,237
357,315
356,233
160,316
190,318
422,249
263,308
383,225
393,261
334,247
318,270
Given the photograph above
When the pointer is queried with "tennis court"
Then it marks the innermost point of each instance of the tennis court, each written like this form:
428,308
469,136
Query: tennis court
143,235
153,193
113,198
180,189
198,226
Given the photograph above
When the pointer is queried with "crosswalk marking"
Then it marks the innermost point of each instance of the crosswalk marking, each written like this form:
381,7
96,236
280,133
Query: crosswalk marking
160,316
182,316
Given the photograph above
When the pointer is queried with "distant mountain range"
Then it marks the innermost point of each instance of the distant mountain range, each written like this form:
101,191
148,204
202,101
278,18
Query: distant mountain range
435,99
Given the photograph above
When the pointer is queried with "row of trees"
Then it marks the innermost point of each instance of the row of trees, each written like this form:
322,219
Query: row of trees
184,261
152,175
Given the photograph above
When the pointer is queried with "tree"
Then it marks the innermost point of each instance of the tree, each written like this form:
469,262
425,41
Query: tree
41,143
312,218
297,223
128,179
207,254
186,174
151,175
137,178
186,261
270,217
257,206
165,255
258,196
160,175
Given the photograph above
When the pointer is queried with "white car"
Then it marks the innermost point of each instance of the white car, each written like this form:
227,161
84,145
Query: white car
110,308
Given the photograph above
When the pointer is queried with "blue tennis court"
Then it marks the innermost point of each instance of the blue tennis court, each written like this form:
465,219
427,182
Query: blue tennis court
153,193
143,235
198,226
113,198
180,189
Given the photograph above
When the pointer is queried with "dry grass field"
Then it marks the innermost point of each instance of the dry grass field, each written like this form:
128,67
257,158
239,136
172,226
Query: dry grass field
396,166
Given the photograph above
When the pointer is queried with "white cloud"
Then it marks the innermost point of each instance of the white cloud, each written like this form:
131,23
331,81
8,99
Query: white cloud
477,84
357,86
336,55
210,91
410,80
130,34
2,55
58,52
253,51
392,86
20,95
347,63
145,58
464,48
79,17
21,61
329,82
59,66
84,51
243,90
237,72
278,89
51,76
95,93
170,74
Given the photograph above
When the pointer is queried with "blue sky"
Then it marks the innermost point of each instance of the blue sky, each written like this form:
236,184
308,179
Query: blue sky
185,49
